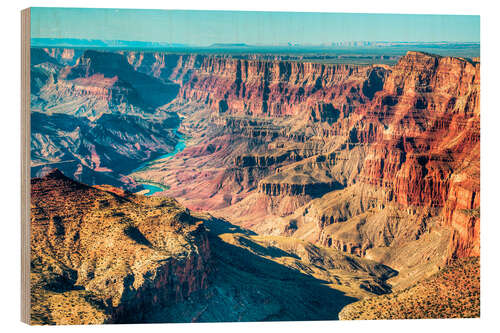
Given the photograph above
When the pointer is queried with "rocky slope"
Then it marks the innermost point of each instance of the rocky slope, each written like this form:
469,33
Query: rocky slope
103,255
452,293
99,257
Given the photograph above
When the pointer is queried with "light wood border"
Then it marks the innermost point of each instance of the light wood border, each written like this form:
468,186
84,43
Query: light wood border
25,165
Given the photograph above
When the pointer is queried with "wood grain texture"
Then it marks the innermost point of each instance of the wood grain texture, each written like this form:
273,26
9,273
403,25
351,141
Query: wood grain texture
25,164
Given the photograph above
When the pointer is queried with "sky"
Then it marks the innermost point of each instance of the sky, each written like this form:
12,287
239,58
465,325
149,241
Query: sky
255,28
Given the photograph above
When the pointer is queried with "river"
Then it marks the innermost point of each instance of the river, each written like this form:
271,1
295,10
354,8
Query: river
181,144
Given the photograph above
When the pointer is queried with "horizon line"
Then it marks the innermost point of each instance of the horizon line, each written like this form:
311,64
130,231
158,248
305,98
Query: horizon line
290,43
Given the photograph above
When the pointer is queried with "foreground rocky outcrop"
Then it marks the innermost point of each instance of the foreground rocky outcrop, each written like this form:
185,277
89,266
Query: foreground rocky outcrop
98,257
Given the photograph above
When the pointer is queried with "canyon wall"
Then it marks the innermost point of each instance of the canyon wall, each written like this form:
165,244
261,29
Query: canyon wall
265,88
284,133
375,161
406,129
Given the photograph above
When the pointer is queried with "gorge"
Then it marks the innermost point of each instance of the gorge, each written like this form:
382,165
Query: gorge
349,181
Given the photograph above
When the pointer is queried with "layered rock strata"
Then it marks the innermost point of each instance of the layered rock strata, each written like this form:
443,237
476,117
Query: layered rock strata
313,129
274,135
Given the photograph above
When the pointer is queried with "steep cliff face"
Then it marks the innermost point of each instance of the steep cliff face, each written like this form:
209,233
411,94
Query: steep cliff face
433,138
316,128
271,88
96,250
433,110
265,88
462,207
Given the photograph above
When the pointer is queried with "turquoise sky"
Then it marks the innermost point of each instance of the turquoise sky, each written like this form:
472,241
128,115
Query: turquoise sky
269,28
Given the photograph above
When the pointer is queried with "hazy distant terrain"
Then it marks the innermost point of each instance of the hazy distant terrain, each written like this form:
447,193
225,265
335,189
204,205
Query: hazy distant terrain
342,52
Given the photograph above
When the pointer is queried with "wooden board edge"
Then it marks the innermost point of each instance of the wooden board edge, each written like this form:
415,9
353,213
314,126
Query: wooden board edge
25,165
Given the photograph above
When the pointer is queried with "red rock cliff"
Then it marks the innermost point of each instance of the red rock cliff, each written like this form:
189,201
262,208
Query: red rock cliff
415,123
261,87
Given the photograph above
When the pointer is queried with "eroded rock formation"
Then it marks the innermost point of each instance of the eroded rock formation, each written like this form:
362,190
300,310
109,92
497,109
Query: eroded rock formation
102,255
311,129
116,257
380,162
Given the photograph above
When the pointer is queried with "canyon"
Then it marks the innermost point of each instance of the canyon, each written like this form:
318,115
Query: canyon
359,158
365,177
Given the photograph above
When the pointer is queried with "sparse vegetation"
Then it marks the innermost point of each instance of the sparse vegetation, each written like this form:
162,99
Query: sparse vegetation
454,292
93,250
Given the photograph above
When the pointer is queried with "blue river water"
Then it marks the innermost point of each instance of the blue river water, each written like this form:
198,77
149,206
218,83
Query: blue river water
152,189
181,144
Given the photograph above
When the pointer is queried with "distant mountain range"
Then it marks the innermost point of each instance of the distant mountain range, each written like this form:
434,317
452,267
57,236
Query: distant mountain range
95,43
385,44
76,42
